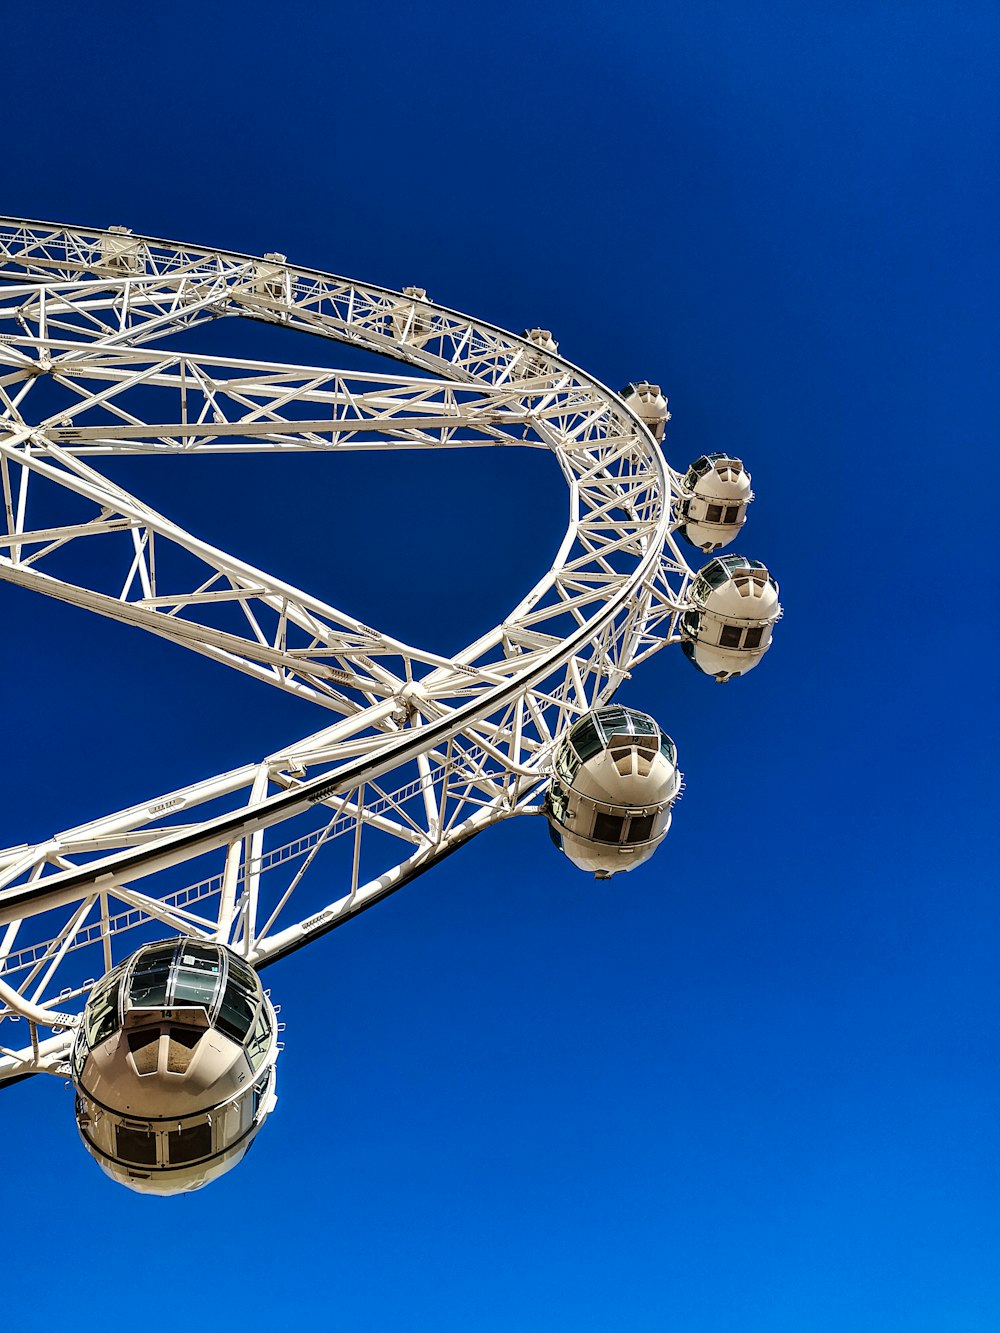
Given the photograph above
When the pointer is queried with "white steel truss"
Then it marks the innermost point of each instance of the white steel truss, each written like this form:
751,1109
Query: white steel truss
422,751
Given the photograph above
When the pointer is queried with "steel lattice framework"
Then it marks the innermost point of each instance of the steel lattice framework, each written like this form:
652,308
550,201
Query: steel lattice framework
421,751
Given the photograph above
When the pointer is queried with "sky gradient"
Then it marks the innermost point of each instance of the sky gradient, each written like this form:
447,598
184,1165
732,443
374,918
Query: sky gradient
753,1085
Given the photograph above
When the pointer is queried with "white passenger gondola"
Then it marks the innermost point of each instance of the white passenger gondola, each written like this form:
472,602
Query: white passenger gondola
649,404
411,321
174,1066
530,364
610,798
272,278
121,252
733,608
715,492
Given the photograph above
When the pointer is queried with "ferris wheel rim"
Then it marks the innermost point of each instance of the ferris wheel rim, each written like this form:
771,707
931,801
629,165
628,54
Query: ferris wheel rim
65,886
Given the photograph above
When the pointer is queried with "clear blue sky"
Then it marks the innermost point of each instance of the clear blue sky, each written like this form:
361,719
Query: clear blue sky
754,1085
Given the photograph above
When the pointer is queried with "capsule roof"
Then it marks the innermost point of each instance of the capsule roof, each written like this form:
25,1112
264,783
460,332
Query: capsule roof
593,732
176,974
703,465
725,568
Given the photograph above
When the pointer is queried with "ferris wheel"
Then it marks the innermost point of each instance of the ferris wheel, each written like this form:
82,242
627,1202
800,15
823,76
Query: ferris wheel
131,946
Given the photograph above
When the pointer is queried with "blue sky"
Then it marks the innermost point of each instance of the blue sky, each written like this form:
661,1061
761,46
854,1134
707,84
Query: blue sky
752,1086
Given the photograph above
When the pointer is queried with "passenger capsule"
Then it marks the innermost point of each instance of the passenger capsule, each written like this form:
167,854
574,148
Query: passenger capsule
715,492
121,252
733,606
411,322
271,279
173,1066
534,363
648,403
610,798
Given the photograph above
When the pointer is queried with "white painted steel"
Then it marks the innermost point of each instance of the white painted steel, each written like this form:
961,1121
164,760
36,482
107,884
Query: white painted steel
419,751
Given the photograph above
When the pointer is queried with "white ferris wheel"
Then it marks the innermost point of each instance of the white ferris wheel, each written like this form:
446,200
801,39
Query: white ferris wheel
131,946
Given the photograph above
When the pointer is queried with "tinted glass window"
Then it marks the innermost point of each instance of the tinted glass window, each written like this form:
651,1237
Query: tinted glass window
713,514
640,828
667,748
557,802
191,987
568,762
585,739
236,1013
157,954
148,986
753,636
641,724
201,954
607,828
79,1054
715,574
612,720
105,983
243,973
190,1145
732,514
102,1012
136,1145
198,974
730,636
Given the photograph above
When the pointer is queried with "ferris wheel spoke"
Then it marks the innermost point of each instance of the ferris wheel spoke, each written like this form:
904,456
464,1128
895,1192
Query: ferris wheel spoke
222,408
116,311
286,638
119,364
322,660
